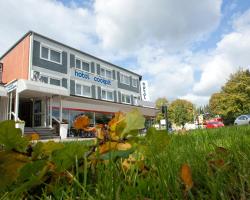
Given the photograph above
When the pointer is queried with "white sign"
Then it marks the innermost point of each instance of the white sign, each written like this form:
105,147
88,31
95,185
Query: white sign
144,91
11,86
163,122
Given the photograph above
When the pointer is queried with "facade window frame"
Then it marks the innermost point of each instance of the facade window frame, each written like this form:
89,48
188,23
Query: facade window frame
82,93
123,79
55,79
81,64
105,73
49,54
106,94
124,100
134,82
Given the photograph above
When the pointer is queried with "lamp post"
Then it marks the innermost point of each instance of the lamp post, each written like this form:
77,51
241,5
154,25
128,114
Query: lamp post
164,110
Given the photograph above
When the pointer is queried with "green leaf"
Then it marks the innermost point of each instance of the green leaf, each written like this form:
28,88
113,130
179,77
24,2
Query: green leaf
134,121
65,158
113,155
10,163
11,137
43,150
31,169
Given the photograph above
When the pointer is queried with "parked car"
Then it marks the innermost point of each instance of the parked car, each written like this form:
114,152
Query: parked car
214,124
242,120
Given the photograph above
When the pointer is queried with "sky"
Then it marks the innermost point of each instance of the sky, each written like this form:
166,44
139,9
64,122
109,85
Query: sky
184,50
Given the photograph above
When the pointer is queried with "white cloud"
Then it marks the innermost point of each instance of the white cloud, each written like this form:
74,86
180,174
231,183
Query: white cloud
131,24
71,25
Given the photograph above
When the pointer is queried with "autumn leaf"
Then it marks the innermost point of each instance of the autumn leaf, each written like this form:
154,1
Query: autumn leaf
107,146
81,122
123,146
10,163
186,176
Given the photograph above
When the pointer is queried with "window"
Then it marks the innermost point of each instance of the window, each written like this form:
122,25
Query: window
134,82
125,79
107,95
51,54
106,73
54,81
83,90
126,98
45,53
55,56
82,65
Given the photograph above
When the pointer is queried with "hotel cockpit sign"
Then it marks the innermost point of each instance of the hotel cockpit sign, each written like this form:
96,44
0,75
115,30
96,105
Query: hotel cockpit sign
92,78
144,91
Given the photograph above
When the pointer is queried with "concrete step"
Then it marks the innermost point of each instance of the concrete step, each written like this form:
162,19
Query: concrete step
43,132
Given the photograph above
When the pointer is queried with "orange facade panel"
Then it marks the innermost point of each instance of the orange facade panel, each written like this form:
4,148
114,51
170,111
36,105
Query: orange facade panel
16,61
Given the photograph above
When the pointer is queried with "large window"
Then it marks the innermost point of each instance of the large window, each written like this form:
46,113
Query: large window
106,73
83,90
134,82
125,79
107,95
51,54
82,65
126,98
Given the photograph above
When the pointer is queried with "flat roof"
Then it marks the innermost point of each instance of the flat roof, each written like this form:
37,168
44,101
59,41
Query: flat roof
72,48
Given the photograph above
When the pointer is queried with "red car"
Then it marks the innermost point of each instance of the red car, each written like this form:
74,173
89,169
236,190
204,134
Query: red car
214,124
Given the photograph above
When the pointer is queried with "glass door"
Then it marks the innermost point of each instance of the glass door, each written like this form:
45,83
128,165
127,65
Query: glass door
37,113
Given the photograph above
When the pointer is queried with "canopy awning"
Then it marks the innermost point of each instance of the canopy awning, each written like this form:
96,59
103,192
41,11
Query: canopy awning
32,88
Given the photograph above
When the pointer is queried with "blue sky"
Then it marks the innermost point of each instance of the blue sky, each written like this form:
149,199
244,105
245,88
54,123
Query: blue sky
183,50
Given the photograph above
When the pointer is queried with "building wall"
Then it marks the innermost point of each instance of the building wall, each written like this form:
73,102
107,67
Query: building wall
16,62
69,74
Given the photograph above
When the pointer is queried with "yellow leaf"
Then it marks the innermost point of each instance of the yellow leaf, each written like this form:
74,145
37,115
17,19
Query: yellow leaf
100,133
123,146
107,147
81,122
186,176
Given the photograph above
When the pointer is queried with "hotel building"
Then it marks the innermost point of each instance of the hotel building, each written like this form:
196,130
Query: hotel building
43,80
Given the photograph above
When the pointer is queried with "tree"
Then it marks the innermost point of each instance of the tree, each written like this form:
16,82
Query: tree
181,111
234,97
159,103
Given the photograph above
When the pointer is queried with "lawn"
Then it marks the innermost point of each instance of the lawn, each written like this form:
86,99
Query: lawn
219,161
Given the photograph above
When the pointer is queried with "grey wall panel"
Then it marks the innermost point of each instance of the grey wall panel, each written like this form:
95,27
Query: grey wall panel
72,87
98,69
126,87
62,68
93,88
99,91
65,83
72,61
113,72
132,99
115,96
92,67
119,97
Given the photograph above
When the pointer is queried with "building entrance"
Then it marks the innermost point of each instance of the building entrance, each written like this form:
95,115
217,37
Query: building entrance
25,112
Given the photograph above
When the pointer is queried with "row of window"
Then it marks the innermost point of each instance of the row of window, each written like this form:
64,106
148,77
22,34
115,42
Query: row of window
85,90
56,56
50,80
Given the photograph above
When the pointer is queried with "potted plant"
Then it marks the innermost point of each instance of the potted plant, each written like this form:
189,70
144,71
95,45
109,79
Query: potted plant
20,124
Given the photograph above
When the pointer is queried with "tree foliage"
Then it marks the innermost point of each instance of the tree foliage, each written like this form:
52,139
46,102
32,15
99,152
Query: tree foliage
234,97
181,111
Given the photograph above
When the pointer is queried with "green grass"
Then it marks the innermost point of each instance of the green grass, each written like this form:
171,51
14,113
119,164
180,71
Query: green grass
162,180
160,177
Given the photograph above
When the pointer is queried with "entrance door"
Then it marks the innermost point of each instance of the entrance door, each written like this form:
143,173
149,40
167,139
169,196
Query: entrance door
38,113
25,112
